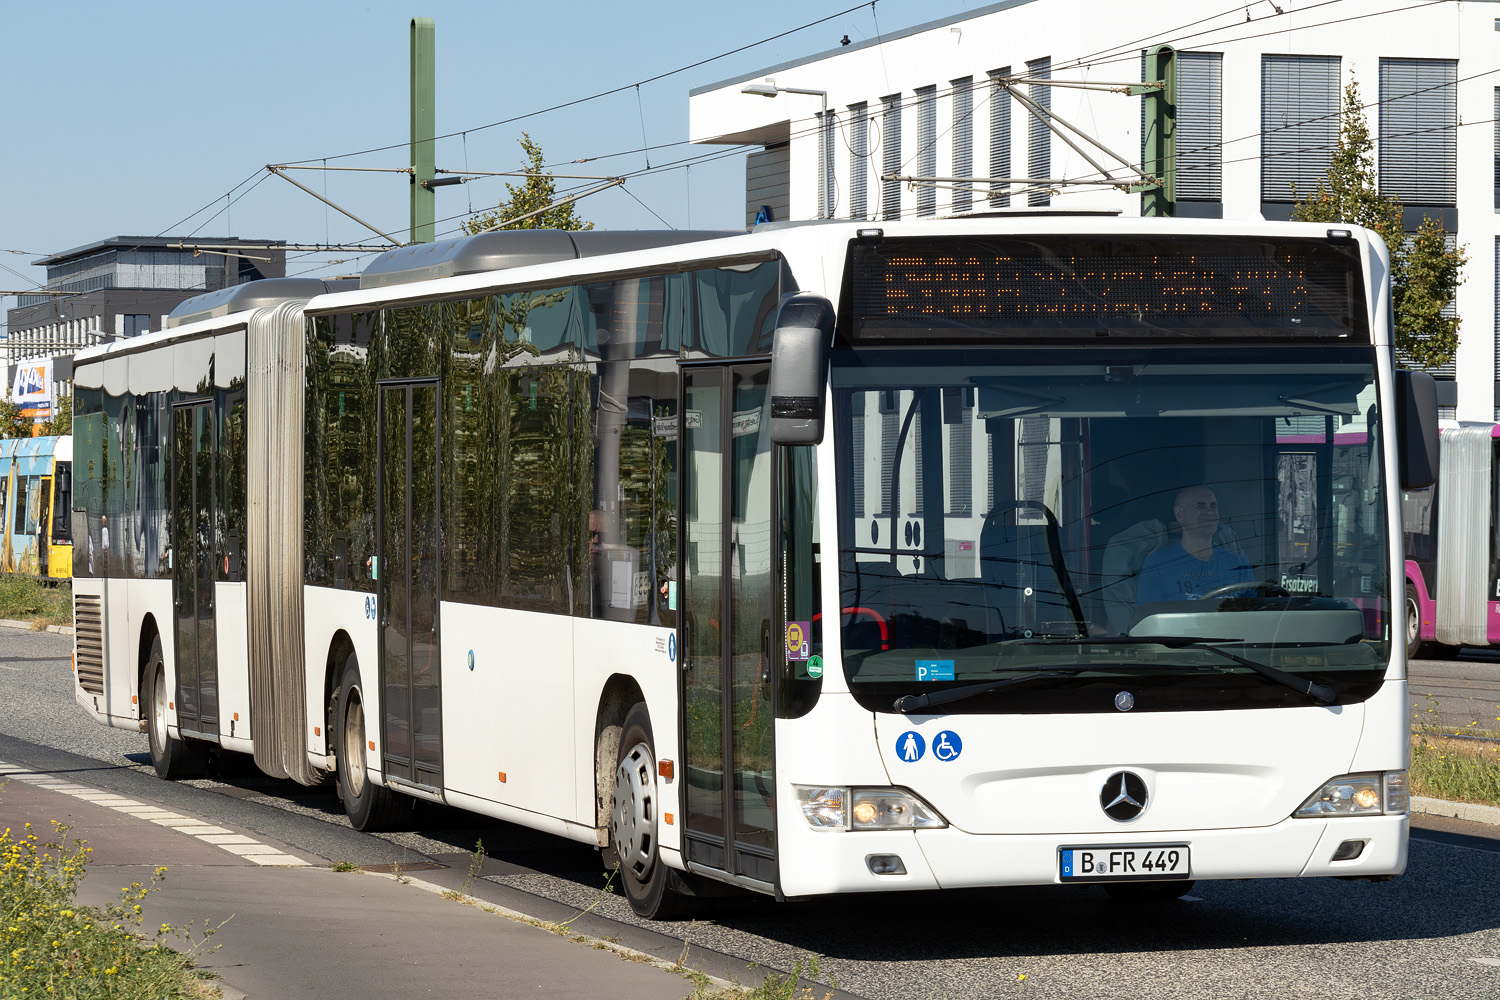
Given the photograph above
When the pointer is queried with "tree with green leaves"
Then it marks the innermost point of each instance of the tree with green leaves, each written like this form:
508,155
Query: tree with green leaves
1425,270
13,422
535,195
61,421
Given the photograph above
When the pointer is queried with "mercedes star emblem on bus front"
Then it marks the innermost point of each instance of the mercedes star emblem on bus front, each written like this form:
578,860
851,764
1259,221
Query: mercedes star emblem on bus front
1123,796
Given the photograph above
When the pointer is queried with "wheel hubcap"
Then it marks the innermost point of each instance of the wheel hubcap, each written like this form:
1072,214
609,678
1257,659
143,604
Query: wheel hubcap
1413,625
159,707
354,746
635,811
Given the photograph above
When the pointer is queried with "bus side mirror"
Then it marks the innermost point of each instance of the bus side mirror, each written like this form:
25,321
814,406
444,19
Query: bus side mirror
1416,417
799,368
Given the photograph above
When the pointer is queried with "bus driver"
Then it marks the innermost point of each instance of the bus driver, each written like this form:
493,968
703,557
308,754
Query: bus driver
1194,566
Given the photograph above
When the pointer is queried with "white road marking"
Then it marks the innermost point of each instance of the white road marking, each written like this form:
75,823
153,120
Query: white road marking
222,838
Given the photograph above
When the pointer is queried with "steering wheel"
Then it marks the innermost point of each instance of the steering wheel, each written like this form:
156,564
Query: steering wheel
1263,588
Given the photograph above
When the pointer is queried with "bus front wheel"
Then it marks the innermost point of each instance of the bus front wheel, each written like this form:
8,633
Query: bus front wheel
369,806
653,890
174,758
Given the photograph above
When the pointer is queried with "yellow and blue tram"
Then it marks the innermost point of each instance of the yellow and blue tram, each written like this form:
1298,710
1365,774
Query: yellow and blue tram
36,488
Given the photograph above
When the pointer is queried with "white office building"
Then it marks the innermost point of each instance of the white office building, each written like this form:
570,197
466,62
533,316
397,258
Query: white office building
1260,88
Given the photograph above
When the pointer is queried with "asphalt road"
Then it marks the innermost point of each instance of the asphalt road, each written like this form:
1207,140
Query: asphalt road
1434,932
1457,694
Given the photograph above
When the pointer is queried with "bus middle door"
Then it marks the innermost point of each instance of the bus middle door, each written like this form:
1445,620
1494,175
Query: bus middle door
194,560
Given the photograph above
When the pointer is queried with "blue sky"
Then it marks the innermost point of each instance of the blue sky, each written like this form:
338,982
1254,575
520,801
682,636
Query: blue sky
125,119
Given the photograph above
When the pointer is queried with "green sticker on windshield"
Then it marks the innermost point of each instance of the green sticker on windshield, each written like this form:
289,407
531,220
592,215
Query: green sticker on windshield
815,666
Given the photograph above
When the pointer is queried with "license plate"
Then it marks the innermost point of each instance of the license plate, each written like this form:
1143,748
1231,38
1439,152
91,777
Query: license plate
1119,863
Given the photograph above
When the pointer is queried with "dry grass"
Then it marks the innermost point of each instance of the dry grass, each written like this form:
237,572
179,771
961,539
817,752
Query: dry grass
1459,770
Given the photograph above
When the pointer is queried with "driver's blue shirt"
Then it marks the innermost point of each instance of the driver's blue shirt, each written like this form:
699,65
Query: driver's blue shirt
1173,574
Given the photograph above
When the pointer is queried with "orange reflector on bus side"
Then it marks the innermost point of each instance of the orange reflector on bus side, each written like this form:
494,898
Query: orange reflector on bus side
372,744
171,706
665,769
668,818
236,717
317,730
502,776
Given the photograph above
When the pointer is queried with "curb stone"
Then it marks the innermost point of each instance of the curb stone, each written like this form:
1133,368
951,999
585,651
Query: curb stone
27,626
1456,810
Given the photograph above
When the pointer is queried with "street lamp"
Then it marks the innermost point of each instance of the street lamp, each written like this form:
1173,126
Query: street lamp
769,88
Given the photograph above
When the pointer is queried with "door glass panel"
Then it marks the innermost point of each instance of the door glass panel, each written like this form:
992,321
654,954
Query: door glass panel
422,570
703,526
395,574
205,555
749,572
184,575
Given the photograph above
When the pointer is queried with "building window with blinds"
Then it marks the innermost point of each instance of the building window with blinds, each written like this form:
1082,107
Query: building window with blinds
859,161
926,149
1419,135
1200,134
999,137
1299,126
890,156
963,141
1038,135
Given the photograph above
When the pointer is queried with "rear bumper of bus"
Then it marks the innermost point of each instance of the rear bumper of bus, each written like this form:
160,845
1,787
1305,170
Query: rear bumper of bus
952,859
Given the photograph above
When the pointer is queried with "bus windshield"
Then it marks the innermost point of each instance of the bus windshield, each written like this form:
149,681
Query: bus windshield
1094,530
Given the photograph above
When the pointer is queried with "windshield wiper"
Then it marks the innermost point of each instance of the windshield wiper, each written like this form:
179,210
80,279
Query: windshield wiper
1318,692
909,703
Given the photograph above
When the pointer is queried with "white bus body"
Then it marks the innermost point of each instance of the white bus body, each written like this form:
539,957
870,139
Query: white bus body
511,626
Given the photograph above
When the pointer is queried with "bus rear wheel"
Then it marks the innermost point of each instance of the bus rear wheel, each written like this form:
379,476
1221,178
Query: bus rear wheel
1414,642
369,806
174,758
653,890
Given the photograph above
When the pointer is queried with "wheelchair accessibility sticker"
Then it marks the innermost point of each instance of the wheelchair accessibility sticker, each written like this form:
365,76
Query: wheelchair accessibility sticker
910,746
947,745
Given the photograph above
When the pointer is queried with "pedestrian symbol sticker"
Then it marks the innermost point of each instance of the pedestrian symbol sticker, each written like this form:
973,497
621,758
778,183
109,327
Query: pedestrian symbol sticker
797,634
910,746
947,746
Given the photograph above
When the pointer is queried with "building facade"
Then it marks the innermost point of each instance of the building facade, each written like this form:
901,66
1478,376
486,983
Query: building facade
125,286
1259,94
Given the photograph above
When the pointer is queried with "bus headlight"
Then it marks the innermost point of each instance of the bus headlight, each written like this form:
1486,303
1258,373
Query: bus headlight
1359,795
865,809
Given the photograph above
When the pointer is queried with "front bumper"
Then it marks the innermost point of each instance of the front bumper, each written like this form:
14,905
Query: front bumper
949,859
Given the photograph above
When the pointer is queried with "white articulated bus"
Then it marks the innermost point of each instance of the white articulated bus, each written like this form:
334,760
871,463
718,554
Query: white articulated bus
1020,549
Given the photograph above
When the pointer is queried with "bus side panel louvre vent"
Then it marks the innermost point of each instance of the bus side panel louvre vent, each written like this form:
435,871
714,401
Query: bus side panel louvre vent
88,626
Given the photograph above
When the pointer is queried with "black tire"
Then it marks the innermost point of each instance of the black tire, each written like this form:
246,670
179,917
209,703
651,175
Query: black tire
1148,892
173,758
1414,643
653,890
369,806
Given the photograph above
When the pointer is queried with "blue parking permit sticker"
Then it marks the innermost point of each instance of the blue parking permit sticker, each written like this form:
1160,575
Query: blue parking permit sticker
934,670
910,746
947,746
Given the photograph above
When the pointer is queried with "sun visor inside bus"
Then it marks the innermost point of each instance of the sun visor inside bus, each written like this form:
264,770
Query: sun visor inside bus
1167,393
251,295
519,248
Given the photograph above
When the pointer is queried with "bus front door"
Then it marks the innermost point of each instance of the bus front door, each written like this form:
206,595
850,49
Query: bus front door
194,558
408,583
727,622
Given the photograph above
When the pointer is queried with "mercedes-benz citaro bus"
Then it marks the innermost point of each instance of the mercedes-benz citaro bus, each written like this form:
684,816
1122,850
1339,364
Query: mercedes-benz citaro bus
1011,550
